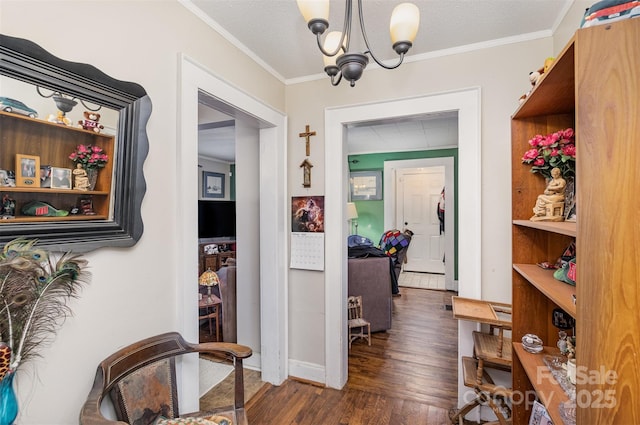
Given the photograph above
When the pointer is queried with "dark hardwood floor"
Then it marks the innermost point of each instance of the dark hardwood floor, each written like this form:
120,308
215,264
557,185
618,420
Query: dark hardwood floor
407,376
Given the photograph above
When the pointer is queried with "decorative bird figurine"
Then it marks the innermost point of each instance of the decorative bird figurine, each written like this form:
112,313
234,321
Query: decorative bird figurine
34,290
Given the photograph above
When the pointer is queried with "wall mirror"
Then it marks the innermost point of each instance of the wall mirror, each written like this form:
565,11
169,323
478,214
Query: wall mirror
45,104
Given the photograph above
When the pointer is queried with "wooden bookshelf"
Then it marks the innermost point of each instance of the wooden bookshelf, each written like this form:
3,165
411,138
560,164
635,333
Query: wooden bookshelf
592,87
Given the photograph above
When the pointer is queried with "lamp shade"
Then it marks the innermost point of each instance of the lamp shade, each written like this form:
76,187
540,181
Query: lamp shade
352,212
331,42
314,9
405,20
209,278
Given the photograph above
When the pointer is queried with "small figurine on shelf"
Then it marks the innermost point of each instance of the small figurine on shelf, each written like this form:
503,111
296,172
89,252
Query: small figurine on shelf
86,205
562,343
550,205
571,347
80,178
60,118
90,122
8,207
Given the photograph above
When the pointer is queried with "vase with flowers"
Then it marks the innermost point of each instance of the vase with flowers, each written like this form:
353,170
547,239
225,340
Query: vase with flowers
555,150
92,158
34,290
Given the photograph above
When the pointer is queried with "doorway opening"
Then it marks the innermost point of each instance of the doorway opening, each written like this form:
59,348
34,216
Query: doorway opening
266,287
467,103
444,235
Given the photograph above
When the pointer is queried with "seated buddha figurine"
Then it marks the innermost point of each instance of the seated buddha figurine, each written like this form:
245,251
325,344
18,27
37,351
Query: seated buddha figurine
550,205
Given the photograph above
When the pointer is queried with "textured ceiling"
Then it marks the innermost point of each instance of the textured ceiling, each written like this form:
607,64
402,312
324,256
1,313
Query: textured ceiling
274,32
275,35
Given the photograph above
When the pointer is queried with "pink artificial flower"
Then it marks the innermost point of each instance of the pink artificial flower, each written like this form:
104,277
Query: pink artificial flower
539,162
569,150
568,133
550,140
530,154
536,140
554,152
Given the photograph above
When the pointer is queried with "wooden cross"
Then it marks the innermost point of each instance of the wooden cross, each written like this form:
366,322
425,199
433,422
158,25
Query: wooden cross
306,135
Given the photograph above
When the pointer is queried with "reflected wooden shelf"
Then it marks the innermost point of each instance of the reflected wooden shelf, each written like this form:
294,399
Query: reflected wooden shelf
21,189
32,219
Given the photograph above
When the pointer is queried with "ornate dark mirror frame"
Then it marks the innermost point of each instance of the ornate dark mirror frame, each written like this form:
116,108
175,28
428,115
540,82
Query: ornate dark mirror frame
26,61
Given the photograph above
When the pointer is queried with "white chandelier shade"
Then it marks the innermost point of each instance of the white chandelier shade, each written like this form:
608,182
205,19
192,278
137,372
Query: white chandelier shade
331,43
404,24
339,60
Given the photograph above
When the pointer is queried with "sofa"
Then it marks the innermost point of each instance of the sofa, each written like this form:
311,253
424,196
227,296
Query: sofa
371,278
227,275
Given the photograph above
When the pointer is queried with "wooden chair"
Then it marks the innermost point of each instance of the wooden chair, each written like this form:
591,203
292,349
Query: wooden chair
487,393
490,350
357,324
140,380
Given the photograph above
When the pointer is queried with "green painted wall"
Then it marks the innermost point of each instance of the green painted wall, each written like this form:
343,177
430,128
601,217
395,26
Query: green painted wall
371,213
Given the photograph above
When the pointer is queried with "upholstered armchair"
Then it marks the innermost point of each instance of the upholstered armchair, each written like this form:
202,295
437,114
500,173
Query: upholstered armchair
140,380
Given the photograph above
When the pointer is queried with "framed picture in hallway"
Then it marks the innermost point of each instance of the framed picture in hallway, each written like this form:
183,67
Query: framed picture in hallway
366,185
212,185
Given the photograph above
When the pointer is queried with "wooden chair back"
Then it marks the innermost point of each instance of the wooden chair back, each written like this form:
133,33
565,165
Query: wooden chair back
354,307
359,327
140,380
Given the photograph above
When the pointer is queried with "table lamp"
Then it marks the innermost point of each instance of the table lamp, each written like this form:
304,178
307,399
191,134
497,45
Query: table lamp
209,278
352,214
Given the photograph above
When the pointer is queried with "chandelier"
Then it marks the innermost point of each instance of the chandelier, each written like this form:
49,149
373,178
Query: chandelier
338,59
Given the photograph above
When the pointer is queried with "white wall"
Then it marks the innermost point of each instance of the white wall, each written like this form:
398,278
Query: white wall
248,235
569,24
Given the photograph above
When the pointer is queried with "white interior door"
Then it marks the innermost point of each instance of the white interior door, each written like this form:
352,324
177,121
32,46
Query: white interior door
418,194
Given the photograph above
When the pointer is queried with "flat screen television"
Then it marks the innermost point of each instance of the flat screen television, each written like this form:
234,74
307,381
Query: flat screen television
216,219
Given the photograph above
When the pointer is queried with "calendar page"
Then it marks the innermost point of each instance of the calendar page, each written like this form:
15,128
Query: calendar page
307,251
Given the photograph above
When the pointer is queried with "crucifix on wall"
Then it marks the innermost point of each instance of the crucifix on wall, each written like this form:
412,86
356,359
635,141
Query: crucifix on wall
306,135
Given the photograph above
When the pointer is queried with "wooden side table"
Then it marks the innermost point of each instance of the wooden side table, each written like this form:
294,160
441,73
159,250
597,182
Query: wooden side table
212,309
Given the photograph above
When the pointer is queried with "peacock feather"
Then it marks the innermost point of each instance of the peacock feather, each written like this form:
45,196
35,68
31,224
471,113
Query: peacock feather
34,290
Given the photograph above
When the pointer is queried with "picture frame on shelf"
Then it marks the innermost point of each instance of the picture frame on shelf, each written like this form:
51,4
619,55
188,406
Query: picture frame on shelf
27,170
60,178
45,175
366,185
539,415
212,185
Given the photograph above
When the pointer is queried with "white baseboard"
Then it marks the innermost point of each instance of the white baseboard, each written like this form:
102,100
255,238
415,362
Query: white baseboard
307,371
